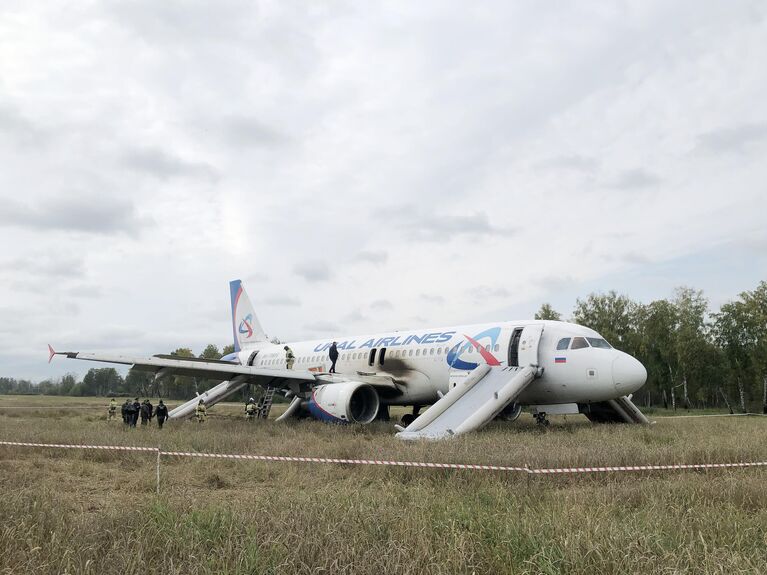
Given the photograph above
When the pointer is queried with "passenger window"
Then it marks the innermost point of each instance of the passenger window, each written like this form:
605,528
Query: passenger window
439,351
579,343
418,352
497,347
431,351
410,353
563,343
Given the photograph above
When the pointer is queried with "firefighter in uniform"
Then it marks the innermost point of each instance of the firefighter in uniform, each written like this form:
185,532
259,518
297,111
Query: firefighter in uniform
201,412
112,409
290,359
250,409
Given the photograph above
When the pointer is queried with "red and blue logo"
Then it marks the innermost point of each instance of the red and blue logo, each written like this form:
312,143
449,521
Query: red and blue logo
245,326
454,355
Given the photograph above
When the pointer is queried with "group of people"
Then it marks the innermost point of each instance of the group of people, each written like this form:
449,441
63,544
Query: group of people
132,411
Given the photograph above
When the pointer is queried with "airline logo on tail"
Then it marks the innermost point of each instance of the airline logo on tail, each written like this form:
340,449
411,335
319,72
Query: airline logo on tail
245,326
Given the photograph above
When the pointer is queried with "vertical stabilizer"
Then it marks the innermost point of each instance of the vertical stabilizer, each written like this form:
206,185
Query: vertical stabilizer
246,328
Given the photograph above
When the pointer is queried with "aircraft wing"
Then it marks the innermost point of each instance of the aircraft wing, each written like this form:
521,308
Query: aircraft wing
203,368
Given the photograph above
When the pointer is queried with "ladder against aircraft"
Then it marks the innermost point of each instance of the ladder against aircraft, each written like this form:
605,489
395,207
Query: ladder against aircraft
265,404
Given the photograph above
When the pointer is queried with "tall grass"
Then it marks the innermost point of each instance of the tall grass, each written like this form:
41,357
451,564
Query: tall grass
96,512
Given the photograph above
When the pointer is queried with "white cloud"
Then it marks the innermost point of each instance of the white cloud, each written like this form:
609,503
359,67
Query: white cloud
345,155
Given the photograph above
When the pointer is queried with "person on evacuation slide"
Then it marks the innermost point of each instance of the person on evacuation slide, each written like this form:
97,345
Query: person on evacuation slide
290,359
333,355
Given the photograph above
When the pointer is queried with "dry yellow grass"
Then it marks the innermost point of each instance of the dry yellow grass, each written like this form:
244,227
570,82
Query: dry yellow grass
96,512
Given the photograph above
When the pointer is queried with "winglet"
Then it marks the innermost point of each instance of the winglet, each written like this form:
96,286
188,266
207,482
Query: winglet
51,353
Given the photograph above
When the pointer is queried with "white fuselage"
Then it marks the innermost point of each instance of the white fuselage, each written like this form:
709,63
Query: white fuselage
424,363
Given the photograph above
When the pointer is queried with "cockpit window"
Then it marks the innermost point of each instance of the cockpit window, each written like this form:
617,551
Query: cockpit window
599,342
579,343
563,343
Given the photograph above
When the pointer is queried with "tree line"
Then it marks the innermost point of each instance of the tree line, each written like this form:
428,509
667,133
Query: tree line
107,381
695,357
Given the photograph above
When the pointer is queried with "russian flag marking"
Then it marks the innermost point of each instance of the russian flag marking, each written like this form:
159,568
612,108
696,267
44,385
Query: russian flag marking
560,360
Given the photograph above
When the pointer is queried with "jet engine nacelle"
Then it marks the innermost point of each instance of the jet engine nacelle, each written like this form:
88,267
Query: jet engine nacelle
349,402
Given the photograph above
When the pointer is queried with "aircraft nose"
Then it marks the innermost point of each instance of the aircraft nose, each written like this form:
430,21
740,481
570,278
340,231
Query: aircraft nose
628,374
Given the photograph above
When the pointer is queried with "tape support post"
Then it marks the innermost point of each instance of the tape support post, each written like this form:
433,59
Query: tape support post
383,462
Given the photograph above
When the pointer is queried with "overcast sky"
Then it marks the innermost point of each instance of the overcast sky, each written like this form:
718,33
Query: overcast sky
366,166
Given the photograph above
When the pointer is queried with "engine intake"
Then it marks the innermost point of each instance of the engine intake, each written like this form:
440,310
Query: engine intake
349,402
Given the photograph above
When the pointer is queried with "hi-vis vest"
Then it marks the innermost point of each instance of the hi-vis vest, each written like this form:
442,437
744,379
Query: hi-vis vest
250,408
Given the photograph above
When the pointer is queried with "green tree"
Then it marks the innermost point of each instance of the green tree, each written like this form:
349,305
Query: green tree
141,383
67,383
210,352
740,328
100,382
614,316
181,386
656,326
691,343
548,313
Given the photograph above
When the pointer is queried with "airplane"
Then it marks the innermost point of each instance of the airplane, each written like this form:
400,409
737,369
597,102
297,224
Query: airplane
467,374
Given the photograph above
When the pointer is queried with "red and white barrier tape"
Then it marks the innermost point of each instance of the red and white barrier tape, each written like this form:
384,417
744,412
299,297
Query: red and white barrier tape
73,446
421,464
347,461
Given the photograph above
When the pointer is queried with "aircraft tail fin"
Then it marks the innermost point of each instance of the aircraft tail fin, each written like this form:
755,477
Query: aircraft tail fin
246,328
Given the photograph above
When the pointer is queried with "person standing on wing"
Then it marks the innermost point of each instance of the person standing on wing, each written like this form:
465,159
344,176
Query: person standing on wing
290,359
333,355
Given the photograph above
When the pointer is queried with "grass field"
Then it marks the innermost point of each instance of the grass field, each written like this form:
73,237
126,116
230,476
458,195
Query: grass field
97,512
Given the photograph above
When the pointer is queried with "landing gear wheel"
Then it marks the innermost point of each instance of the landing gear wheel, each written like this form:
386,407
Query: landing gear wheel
407,419
540,419
511,412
